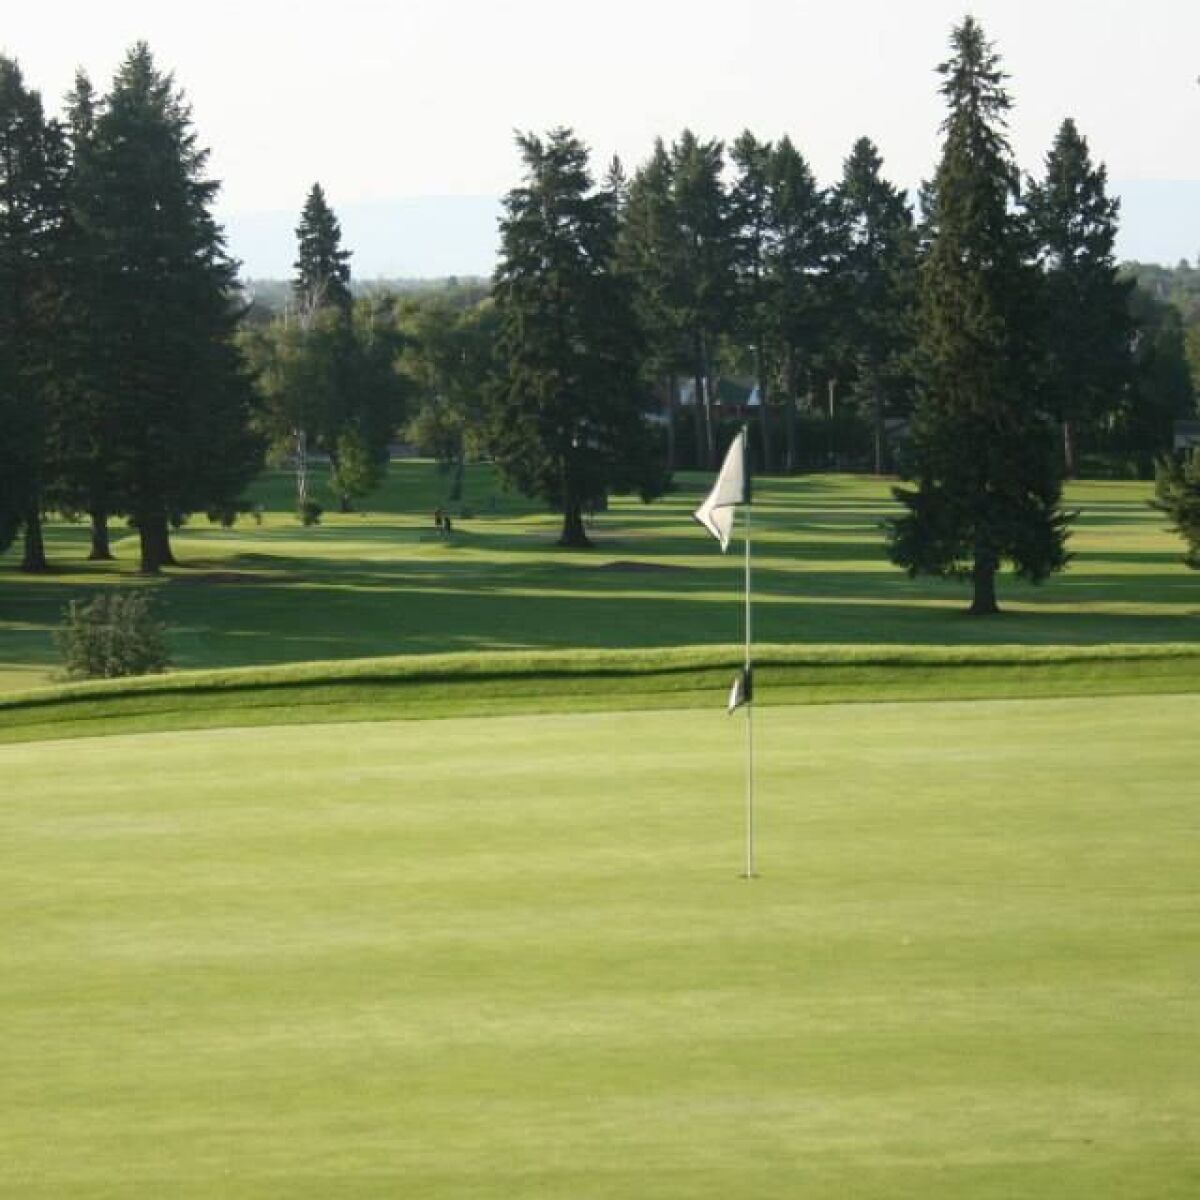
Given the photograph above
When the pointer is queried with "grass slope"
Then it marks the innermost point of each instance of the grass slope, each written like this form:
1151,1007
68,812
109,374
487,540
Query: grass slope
511,958
381,584
498,683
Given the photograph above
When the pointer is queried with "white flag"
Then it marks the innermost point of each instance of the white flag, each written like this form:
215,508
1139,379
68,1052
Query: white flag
731,489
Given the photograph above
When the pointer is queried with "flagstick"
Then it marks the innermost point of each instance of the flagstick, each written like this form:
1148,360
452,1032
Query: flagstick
750,872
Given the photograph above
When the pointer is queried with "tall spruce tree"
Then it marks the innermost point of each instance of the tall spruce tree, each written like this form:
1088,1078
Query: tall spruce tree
1086,323
798,266
171,382
750,199
567,403
705,293
875,282
988,475
32,199
322,266
650,255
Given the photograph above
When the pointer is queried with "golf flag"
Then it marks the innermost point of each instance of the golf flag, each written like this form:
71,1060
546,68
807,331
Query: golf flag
731,489
742,691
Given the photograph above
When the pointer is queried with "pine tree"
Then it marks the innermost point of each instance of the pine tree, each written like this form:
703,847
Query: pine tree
798,266
650,254
322,266
1085,306
750,199
567,423
1177,493
988,478
32,198
171,382
705,292
875,281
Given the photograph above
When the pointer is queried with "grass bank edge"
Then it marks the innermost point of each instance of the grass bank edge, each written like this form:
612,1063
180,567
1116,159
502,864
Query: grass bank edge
510,683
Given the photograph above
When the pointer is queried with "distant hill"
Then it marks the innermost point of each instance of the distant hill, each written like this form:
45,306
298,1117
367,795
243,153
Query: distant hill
435,237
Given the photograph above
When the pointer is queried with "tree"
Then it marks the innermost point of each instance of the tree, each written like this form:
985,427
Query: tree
650,254
447,357
32,177
750,200
875,282
567,401
798,265
705,290
1177,493
322,266
171,380
1085,306
988,478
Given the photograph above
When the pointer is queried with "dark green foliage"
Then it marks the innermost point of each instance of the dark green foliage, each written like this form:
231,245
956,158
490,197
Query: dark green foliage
874,288
1086,326
987,471
170,381
448,356
115,633
329,383
32,199
567,402
1177,493
322,266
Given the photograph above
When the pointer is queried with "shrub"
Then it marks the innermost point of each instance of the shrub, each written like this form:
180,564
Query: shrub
114,633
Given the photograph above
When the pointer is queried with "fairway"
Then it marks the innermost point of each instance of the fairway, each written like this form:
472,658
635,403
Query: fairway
512,957
382,583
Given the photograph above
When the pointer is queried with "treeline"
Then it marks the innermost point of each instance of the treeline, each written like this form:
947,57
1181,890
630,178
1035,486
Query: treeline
121,388
139,378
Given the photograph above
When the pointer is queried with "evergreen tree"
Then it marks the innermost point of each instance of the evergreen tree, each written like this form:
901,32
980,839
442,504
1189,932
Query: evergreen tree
1177,493
85,437
171,381
322,266
750,199
875,282
705,291
1085,306
798,266
988,477
567,423
650,254
32,179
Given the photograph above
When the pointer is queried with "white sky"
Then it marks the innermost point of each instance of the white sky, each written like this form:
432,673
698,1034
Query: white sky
420,97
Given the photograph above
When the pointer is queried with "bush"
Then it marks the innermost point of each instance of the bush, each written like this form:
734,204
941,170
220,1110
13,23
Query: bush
115,633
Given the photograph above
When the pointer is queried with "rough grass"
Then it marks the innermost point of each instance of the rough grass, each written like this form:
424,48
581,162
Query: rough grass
512,958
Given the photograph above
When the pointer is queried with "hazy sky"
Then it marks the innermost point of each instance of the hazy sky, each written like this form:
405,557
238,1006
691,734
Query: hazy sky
420,97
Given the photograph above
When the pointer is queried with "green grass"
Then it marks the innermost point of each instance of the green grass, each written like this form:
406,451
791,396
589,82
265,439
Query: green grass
380,584
507,682
511,958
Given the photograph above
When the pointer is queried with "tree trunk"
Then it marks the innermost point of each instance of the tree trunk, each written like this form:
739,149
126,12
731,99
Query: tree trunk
877,414
1069,464
101,551
764,419
983,579
154,537
34,559
573,533
457,470
670,413
698,415
789,428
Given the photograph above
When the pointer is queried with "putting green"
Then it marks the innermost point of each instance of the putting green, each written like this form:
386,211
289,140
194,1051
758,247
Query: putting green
512,957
